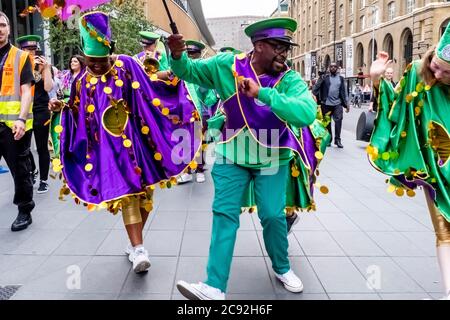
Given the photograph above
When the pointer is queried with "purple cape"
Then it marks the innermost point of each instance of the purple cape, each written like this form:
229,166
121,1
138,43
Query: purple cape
117,136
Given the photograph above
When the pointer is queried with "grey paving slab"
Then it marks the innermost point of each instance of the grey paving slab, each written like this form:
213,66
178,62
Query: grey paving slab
426,241
199,220
350,296
337,222
42,243
424,270
196,243
405,296
9,241
114,243
145,296
90,296
38,296
357,243
99,220
309,222
105,275
169,220
395,244
16,269
163,243
247,244
303,296
82,242
249,275
59,274
339,275
65,220
384,275
369,222
318,243
158,280
402,222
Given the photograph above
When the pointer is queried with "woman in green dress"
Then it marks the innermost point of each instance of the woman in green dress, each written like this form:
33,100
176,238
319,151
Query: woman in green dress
411,141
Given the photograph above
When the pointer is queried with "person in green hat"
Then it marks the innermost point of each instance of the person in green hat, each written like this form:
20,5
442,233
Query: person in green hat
205,100
230,50
153,48
410,141
116,135
43,76
263,101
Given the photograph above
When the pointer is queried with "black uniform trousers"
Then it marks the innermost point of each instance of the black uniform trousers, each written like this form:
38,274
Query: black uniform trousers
17,157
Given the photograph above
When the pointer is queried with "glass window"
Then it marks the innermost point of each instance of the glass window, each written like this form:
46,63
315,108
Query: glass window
391,11
362,22
410,5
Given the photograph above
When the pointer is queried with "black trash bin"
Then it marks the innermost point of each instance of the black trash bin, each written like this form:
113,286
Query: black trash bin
365,124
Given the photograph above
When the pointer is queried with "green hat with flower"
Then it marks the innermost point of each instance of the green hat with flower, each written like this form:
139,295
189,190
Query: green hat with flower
95,33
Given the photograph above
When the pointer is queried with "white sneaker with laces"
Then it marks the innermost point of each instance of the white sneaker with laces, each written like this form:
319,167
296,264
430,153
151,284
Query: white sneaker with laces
200,177
290,281
184,178
199,291
140,260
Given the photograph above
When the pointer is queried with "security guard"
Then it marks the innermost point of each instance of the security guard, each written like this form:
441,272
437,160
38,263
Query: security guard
16,121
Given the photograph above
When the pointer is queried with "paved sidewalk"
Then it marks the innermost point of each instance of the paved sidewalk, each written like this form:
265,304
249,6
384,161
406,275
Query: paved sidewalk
360,236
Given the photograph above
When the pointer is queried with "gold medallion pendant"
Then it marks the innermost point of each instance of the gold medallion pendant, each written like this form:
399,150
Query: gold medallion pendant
115,118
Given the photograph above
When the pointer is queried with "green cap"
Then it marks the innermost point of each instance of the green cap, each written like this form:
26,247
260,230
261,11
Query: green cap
280,29
230,50
193,45
148,37
443,47
95,34
30,41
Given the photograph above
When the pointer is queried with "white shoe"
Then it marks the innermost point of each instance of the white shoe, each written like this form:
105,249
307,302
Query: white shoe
184,178
140,260
128,250
199,291
290,281
200,177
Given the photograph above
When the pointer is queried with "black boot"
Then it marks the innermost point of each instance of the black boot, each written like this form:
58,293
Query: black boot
22,221
292,221
338,143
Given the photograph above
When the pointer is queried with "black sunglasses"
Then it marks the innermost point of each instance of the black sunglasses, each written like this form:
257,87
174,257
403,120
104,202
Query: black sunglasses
279,47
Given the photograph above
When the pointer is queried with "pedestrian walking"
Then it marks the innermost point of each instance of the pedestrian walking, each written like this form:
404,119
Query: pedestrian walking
330,89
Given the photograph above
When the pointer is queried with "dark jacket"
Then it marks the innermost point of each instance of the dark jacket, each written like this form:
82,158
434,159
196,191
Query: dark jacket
322,87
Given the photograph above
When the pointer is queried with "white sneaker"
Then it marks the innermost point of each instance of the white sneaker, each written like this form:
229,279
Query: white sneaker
184,178
140,260
200,177
199,291
128,250
290,281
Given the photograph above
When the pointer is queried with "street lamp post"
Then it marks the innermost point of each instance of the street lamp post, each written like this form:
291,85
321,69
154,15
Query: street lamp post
374,7
320,50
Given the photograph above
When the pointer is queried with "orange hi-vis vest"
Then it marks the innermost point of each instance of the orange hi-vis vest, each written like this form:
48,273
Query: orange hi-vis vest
10,92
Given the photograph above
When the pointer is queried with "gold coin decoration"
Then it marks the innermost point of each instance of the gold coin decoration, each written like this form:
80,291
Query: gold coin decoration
135,85
324,189
165,111
145,130
93,81
56,162
158,156
391,188
400,192
156,102
119,83
193,165
58,129
127,143
119,63
154,77
411,193
107,90
88,167
403,134
385,156
91,108
103,78
319,155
